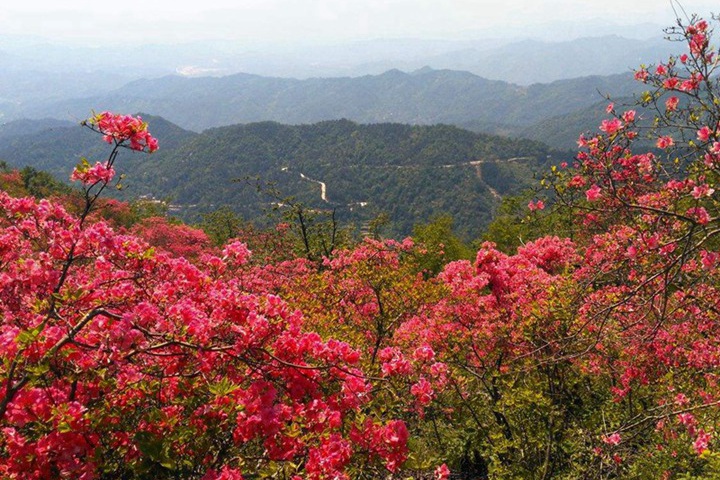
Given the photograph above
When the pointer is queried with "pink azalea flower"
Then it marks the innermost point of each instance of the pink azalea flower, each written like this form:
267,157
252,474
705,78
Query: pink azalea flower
671,83
96,174
539,205
701,442
611,126
704,134
237,251
641,75
629,116
613,439
422,391
124,128
702,191
698,43
665,142
593,193
442,472
700,215
708,259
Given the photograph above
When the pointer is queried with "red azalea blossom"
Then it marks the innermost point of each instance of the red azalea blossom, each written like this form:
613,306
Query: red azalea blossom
701,442
611,126
629,116
98,173
671,104
537,205
442,472
613,439
641,75
665,142
593,194
123,128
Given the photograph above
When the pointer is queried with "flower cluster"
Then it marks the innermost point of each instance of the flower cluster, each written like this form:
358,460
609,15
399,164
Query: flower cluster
120,129
98,173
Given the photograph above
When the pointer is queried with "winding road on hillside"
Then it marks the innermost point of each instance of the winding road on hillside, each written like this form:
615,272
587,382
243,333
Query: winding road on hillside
323,187
473,163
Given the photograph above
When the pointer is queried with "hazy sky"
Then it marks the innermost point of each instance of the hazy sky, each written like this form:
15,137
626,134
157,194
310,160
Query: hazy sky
140,21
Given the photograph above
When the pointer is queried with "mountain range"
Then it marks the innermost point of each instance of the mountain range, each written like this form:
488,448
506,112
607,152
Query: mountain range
422,97
485,83
434,138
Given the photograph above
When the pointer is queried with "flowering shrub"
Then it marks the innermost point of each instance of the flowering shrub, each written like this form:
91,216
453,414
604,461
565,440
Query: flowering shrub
179,240
124,361
590,357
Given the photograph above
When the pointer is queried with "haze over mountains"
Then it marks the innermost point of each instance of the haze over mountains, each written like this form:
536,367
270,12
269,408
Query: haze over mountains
363,118
412,80
545,53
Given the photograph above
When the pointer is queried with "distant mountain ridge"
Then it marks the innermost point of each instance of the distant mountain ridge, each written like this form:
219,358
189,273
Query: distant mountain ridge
31,127
479,80
422,97
531,61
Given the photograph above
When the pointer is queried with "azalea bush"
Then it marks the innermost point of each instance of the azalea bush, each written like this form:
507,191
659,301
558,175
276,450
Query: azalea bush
647,321
147,350
120,360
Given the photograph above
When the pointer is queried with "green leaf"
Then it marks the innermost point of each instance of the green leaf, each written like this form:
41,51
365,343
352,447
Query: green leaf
223,387
29,336
63,427
83,165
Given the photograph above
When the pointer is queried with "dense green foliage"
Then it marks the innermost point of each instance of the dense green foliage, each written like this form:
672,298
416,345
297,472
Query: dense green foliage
439,244
514,224
409,172
34,182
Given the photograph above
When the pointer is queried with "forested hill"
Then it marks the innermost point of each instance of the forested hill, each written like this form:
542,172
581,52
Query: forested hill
425,96
408,172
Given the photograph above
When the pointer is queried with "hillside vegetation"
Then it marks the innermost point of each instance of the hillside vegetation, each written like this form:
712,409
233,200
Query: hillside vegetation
411,173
